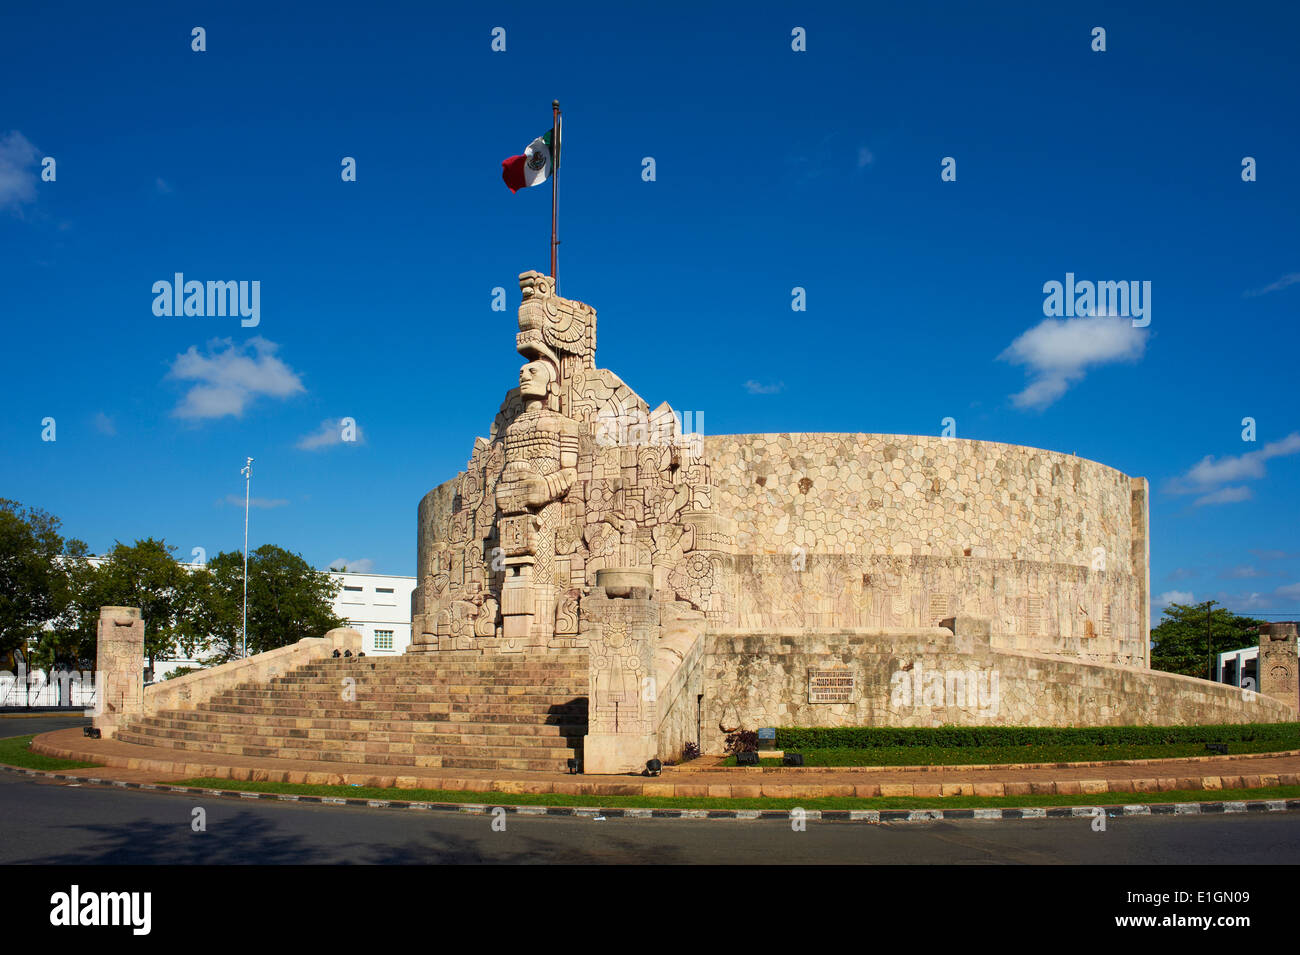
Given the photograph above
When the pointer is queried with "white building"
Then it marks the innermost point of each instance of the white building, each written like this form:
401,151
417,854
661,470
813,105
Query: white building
379,606
1235,667
376,605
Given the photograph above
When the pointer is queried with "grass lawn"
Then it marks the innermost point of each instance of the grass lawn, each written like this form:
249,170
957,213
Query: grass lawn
673,802
14,752
967,755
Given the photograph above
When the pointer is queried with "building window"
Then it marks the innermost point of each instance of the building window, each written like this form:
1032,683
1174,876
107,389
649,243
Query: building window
383,639
352,595
385,597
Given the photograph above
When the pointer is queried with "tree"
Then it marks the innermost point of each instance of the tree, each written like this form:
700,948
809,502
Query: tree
146,575
70,641
1180,640
34,583
287,600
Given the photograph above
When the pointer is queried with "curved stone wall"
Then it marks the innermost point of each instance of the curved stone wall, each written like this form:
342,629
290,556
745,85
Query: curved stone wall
434,511
929,677
870,530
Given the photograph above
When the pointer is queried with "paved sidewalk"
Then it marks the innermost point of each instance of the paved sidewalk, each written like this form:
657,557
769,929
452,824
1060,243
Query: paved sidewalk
162,764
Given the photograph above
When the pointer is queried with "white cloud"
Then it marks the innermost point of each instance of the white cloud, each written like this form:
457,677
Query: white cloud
1210,472
262,502
230,376
1057,353
162,186
1246,602
329,434
104,424
1283,597
362,566
1275,554
758,388
1173,597
1291,278
1241,573
17,181
865,157
1225,495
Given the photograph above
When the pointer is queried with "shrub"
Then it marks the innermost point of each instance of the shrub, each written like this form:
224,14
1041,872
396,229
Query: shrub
741,741
961,736
690,751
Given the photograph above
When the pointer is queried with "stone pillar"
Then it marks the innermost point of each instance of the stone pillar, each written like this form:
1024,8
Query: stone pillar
119,696
622,622
1140,560
1277,662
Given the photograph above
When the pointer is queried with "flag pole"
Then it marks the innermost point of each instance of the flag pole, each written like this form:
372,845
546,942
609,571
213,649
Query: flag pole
555,182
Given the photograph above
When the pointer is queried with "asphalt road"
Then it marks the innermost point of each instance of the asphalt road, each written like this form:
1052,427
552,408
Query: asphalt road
59,823
25,725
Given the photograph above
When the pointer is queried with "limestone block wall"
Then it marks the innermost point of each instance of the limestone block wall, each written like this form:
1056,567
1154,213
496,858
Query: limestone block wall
1031,605
120,668
763,679
1035,518
679,704
435,511
188,691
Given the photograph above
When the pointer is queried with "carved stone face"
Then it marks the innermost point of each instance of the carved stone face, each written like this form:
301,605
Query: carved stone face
534,379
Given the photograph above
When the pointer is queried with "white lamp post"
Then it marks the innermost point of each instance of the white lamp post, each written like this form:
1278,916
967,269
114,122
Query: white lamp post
247,472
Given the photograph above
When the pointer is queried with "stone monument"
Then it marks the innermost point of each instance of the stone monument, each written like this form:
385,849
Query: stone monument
1277,662
735,581
119,695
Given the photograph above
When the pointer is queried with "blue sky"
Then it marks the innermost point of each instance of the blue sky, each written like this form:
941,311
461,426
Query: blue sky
774,169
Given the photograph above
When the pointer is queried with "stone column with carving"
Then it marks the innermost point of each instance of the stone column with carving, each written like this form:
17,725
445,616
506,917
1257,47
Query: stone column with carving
621,620
119,696
1277,662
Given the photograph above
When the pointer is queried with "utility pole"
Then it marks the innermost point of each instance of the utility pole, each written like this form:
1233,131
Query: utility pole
1209,647
247,472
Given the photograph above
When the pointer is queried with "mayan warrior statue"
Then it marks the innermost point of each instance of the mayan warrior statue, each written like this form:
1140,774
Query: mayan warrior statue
541,453
577,476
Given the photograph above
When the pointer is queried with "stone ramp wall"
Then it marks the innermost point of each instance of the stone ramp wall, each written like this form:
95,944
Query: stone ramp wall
186,692
679,713
762,679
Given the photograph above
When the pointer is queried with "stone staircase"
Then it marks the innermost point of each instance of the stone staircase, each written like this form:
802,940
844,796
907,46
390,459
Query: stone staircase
454,710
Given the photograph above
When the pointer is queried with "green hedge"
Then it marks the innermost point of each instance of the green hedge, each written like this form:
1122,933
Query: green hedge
794,738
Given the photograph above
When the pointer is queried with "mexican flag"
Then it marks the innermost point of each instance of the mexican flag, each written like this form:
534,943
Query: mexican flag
534,167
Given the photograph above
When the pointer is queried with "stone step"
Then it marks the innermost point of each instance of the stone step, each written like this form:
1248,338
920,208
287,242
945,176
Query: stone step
483,682
373,701
425,665
532,747
431,690
224,732
484,665
557,763
363,705
181,719
460,710
371,708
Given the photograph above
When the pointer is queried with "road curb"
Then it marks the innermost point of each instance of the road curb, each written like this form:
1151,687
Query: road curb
869,816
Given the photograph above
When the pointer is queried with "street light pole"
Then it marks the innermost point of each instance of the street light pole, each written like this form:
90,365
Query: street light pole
247,472
1209,649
